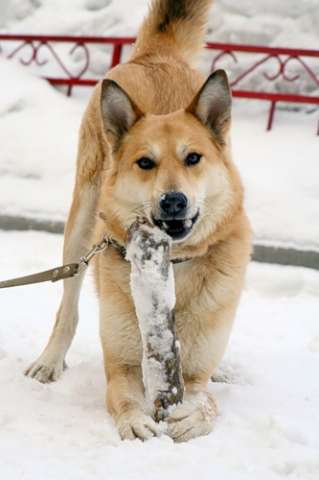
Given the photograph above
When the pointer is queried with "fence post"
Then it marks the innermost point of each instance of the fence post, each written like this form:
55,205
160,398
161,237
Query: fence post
271,115
117,52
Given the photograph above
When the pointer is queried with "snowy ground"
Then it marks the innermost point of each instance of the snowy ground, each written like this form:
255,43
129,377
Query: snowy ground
268,397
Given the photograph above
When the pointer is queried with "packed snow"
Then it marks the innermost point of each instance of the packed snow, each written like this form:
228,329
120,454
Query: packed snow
267,389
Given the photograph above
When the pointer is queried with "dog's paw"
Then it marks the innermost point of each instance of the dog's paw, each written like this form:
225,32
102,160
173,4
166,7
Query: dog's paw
193,418
136,424
45,370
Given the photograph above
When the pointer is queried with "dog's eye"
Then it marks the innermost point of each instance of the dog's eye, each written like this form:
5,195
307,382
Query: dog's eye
146,163
192,159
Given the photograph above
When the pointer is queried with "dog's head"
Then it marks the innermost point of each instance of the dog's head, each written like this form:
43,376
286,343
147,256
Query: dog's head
173,169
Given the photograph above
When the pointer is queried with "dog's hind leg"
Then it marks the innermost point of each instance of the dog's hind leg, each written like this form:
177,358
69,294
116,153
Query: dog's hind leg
49,366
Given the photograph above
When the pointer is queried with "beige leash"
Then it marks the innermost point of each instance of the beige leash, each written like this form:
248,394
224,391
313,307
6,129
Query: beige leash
59,273
72,269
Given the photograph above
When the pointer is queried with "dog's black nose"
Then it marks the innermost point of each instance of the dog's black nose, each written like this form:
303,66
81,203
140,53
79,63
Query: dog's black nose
173,204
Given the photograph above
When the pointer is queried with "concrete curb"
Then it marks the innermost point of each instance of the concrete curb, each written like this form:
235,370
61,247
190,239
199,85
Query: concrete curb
262,253
9,222
286,256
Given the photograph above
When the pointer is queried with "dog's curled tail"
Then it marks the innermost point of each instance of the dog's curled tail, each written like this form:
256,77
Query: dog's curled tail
177,26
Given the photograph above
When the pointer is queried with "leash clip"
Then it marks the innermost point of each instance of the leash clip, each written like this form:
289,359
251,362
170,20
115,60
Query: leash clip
99,247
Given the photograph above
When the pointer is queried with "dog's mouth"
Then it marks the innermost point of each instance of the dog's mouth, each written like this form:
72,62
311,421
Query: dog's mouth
176,228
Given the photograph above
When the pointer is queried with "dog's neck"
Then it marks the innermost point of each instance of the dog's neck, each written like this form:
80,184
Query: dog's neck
182,251
121,249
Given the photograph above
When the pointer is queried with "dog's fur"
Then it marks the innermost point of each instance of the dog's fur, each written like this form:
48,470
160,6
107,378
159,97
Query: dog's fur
157,106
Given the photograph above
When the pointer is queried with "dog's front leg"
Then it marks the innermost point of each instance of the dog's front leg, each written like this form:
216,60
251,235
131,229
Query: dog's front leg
126,403
203,351
49,366
195,416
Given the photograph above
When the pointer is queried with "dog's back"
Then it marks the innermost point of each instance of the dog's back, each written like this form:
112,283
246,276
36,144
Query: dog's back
158,76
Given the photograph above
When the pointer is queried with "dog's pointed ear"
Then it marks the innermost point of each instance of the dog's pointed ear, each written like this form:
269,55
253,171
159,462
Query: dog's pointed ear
119,112
212,104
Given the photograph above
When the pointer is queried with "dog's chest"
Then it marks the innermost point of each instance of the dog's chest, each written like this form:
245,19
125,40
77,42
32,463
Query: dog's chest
119,323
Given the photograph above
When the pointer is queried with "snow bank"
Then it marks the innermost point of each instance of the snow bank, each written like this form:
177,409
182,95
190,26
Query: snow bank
279,170
286,23
38,135
267,391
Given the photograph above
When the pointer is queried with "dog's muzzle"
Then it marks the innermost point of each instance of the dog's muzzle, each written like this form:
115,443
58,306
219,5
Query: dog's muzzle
173,215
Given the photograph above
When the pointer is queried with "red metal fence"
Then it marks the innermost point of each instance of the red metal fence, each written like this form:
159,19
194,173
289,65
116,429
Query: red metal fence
256,72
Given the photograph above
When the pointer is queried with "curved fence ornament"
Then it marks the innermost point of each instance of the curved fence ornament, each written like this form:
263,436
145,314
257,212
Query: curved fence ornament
35,56
281,72
249,65
220,56
244,70
306,67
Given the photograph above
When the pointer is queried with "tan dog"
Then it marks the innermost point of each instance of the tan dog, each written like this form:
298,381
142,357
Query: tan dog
155,142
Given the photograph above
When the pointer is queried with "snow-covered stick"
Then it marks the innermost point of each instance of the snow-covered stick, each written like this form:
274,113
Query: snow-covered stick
153,291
